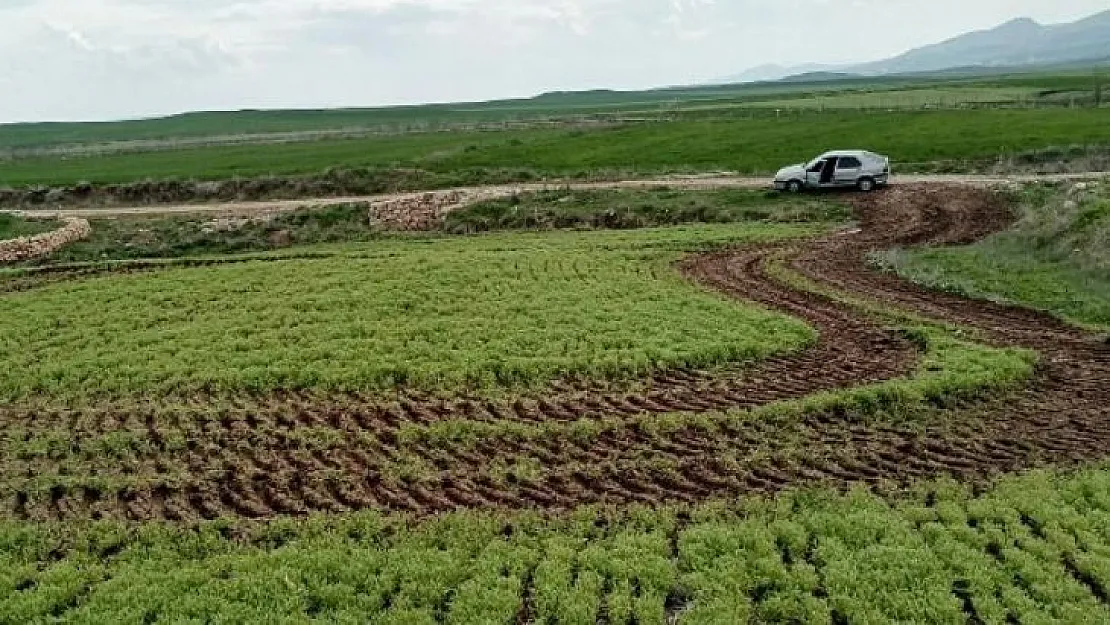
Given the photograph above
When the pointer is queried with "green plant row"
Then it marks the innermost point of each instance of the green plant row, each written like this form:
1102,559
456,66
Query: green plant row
69,449
1034,549
950,370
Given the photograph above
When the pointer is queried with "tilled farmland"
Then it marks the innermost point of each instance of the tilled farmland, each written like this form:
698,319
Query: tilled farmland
275,454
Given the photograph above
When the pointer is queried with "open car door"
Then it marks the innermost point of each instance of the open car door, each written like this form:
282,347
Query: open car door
828,173
814,173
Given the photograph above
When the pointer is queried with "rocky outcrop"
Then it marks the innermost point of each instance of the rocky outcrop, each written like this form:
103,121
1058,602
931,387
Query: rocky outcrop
39,245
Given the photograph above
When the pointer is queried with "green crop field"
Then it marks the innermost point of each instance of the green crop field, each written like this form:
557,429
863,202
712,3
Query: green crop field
441,315
181,439
1035,549
604,406
758,145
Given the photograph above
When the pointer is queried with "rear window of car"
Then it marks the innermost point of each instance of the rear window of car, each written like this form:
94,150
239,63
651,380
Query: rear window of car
850,162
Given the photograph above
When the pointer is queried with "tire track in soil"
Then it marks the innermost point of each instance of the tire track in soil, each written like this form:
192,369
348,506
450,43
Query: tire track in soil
248,459
1061,418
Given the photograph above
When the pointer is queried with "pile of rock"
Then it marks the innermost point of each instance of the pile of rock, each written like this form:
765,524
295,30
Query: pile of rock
425,211
26,248
414,212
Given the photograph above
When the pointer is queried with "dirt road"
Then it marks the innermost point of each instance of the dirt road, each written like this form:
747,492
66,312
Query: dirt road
701,182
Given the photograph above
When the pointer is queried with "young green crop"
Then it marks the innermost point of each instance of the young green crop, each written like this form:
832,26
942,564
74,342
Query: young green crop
950,370
436,315
1035,548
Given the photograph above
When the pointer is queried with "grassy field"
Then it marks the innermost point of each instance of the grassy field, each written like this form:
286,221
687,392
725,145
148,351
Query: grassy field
1055,258
1034,549
939,97
437,314
1028,89
12,227
758,145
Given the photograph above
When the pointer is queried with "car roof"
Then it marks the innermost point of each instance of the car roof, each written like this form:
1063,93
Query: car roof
856,153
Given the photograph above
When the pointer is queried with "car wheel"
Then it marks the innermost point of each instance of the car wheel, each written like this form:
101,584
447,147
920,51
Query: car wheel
794,186
866,185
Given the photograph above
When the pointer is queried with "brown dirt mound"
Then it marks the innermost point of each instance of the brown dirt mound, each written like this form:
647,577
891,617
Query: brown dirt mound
294,454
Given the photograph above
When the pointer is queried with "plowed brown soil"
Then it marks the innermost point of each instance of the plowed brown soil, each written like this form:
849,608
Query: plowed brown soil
295,454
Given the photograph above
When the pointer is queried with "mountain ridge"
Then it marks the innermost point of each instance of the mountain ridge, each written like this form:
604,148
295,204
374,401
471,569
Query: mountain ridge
1019,42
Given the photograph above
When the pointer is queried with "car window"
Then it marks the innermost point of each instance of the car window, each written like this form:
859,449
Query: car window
817,166
850,162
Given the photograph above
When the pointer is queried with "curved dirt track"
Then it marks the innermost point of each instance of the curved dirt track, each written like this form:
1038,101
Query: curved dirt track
294,454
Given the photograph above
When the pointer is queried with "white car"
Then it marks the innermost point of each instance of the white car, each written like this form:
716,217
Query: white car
841,168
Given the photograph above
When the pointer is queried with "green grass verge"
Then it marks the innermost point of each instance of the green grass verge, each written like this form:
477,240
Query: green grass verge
434,314
190,235
1056,258
167,237
1034,548
640,208
755,145
13,227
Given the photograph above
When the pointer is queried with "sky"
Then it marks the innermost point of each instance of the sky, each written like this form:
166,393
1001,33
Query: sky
66,60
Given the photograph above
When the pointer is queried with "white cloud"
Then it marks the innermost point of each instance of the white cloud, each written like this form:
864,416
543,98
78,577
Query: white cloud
91,59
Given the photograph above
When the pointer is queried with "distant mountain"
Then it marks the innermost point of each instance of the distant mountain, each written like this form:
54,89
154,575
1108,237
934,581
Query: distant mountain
818,77
1015,43
765,73
1018,43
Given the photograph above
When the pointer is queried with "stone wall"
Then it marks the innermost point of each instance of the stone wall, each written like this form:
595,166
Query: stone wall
26,248
425,211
